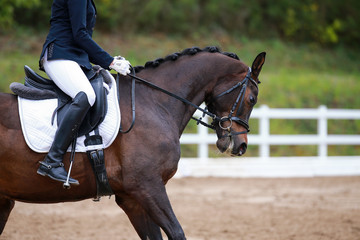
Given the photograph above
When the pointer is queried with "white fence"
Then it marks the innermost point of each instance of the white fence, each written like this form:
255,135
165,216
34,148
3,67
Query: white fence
267,166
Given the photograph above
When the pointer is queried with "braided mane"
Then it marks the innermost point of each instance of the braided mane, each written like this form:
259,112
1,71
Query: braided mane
188,51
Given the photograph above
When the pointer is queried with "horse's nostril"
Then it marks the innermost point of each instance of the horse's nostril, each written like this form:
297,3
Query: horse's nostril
240,150
243,148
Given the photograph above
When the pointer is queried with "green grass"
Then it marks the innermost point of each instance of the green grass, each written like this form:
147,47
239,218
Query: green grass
294,76
306,88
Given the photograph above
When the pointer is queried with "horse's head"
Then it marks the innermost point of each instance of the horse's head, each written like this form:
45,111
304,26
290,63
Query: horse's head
232,101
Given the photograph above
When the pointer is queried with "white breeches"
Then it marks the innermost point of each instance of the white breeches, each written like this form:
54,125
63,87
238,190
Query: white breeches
69,77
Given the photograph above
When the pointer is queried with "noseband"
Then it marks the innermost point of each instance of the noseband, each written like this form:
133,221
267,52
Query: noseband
237,105
216,120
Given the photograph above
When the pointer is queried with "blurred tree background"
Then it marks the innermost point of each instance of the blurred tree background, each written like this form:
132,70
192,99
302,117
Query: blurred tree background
313,47
326,22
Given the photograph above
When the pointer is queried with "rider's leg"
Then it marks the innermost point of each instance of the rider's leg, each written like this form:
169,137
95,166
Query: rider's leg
69,77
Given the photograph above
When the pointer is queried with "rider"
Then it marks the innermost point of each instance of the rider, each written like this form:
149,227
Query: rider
67,53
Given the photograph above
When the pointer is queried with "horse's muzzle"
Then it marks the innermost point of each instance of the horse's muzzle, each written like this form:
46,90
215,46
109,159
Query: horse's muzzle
235,145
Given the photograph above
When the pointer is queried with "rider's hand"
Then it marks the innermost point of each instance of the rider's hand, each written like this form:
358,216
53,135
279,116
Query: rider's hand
121,65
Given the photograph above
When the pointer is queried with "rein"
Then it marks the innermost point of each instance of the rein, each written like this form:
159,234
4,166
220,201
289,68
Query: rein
215,118
132,100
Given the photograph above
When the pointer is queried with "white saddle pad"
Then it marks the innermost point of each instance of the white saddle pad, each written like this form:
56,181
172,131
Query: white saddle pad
35,117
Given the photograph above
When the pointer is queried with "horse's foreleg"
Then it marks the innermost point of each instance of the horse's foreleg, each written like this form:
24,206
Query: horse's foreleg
6,205
143,224
152,196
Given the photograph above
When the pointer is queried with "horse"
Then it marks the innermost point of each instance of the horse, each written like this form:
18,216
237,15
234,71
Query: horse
140,163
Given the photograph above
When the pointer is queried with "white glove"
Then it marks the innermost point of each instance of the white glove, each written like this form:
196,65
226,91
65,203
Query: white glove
121,65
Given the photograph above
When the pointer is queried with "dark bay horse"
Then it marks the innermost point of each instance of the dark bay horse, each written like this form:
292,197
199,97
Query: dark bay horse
140,163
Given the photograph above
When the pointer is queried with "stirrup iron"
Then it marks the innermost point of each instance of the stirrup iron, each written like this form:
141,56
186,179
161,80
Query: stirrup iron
67,185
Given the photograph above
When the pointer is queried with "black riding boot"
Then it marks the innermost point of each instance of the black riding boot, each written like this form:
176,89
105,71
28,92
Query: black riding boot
52,165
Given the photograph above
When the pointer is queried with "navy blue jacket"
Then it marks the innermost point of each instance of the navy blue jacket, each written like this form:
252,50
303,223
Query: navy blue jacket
70,36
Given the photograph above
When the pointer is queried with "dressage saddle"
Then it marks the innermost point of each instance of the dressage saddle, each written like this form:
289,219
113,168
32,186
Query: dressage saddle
37,87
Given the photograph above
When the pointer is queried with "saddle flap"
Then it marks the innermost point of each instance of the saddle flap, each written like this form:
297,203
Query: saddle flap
98,111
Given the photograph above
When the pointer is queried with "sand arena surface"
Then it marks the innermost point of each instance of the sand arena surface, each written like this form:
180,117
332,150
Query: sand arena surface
209,209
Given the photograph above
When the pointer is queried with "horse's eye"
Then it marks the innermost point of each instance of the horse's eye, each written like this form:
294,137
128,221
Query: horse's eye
252,100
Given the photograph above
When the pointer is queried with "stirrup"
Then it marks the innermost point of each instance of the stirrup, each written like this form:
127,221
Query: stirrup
45,170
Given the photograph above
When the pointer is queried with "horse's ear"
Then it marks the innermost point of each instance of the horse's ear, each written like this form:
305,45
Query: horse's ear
257,65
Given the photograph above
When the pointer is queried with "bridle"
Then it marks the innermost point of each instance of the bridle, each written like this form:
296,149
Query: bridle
216,120
236,106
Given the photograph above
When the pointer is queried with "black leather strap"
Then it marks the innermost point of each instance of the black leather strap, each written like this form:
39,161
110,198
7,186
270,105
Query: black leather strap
132,100
97,160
